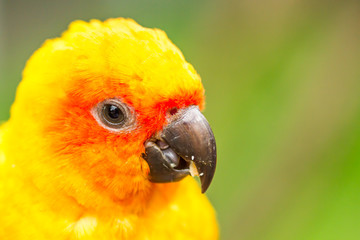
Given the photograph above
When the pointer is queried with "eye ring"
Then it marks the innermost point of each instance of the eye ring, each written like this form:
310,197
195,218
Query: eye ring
114,115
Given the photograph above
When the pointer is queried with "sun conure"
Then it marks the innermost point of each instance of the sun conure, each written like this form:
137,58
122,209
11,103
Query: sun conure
104,131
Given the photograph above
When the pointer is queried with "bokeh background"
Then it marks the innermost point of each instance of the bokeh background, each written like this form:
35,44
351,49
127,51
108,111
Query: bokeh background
282,80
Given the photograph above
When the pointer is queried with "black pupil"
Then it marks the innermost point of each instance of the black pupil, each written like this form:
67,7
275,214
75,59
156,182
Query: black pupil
114,112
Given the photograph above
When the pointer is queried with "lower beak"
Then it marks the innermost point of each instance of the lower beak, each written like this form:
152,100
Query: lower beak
185,142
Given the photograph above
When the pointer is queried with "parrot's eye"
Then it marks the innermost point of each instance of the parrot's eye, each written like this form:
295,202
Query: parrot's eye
114,115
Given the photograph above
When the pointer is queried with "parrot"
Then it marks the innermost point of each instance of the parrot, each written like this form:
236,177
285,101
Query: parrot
104,139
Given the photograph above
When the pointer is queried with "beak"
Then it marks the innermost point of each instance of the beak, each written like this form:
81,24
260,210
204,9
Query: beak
185,146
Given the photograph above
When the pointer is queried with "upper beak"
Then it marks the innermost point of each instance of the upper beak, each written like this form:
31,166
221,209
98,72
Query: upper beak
187,139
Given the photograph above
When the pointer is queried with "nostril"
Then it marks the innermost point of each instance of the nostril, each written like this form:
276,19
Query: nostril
173,111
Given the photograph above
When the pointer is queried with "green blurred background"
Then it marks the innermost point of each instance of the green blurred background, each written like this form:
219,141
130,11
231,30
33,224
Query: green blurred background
282,80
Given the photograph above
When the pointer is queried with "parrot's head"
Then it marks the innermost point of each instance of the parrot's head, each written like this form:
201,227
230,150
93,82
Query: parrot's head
112,108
